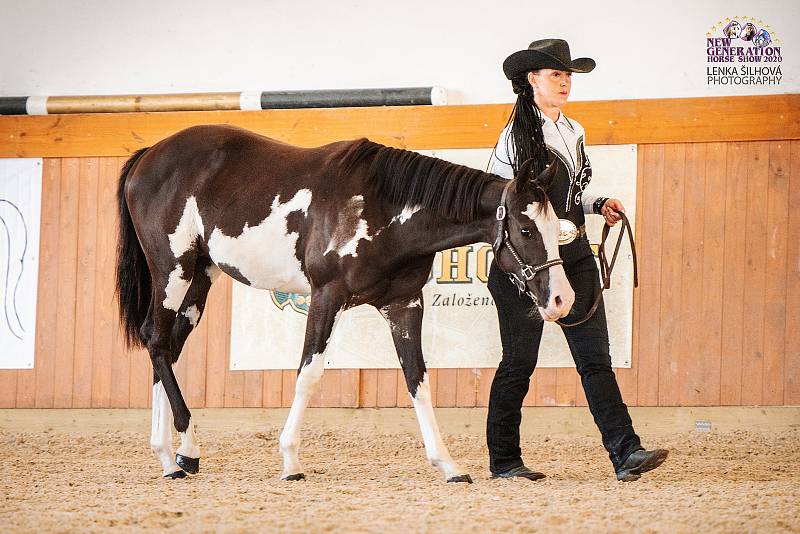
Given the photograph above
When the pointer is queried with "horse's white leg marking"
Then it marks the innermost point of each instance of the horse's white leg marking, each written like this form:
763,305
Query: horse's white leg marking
305,388
280,269
307,384
435,449
189,446
161,431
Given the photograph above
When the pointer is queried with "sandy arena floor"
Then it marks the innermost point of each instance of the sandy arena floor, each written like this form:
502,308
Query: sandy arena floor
364,480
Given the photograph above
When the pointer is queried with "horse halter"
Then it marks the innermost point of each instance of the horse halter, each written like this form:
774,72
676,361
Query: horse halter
527,272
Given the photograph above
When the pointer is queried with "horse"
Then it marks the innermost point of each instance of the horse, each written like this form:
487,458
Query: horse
351,222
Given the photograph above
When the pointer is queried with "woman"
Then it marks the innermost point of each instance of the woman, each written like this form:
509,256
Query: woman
541,76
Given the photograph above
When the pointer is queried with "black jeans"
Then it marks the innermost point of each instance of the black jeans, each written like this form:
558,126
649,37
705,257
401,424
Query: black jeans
588,343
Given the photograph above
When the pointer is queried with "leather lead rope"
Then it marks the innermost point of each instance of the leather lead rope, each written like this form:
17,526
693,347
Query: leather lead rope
606,267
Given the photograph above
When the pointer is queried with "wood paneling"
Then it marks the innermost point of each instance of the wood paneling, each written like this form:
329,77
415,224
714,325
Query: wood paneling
419,127
716,316
791,364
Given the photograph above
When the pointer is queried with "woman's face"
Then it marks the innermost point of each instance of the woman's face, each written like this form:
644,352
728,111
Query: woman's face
550,87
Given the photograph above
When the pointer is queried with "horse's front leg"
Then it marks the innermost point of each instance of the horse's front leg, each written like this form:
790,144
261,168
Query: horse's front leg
326,305
405,321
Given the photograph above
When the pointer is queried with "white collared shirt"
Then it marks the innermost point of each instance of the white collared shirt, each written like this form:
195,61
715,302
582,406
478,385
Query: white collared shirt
565,137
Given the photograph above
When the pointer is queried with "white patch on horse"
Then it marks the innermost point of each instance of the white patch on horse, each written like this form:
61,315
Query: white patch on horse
161,430
212,271
350,229
176,289
406,214
435,449
266,254
397,329
547,223
189,228
193,314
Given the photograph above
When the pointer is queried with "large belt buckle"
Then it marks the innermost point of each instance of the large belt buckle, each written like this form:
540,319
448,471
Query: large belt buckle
567,232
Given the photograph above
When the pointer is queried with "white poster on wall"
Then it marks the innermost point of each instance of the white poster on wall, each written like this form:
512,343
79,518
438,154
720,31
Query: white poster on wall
460,327
20,208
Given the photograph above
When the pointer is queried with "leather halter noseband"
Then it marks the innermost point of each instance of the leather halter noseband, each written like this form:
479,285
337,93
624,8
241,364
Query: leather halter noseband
527,272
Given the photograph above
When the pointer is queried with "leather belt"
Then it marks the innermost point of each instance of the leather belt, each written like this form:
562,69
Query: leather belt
568,232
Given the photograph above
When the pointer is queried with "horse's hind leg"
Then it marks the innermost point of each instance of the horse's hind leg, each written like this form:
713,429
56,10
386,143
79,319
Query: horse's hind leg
405,321
326,305
169,291
187,319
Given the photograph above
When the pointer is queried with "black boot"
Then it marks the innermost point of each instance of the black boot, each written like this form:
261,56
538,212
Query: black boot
640,461
521,471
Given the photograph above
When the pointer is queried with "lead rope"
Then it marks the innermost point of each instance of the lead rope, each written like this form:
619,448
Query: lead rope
606,268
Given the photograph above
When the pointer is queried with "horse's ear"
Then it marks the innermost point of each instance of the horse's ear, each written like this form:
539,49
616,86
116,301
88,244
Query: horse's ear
545,178
523,176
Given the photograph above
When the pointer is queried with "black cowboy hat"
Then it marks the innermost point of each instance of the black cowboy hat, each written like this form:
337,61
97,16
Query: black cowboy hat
545,54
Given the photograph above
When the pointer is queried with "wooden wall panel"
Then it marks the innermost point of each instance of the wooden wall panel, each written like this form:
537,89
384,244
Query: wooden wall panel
703,388
105,316
691,372
755,221
715,316
609,122
791,368
777,230
649,236
64,355
733,275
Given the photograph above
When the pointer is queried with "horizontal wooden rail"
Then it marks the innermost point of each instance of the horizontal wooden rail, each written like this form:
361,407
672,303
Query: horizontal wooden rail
747,118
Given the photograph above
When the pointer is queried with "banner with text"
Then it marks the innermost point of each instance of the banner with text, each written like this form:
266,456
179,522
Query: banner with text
460,326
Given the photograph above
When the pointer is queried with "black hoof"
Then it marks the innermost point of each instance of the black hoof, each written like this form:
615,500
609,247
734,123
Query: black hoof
461,478
296,476
190,465
177,474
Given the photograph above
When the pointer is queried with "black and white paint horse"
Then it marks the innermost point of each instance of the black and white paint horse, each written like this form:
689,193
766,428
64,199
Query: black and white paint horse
352,222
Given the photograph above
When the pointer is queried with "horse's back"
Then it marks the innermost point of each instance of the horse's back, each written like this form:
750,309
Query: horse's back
246,196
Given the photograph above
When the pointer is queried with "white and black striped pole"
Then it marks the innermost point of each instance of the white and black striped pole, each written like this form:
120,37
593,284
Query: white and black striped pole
245,101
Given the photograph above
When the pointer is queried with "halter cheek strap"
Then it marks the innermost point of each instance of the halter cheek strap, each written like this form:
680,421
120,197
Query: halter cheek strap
527,272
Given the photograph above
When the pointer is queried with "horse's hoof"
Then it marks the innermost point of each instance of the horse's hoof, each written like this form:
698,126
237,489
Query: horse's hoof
461,478
180,473
296,476
190,465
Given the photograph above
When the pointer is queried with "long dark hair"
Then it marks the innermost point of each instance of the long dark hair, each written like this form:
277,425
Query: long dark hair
526,139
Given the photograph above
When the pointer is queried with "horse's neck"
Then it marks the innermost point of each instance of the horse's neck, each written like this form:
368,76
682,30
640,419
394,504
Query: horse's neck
444,234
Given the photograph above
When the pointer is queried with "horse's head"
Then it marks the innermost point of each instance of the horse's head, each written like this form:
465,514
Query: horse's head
732,29
526,244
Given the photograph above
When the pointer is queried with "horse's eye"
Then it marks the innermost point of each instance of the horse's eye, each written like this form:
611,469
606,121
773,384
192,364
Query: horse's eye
525,232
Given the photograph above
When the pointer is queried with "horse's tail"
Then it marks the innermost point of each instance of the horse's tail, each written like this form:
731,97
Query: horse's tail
134,284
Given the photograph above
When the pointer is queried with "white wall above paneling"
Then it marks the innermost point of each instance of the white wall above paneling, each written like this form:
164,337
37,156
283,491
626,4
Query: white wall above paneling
642,49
